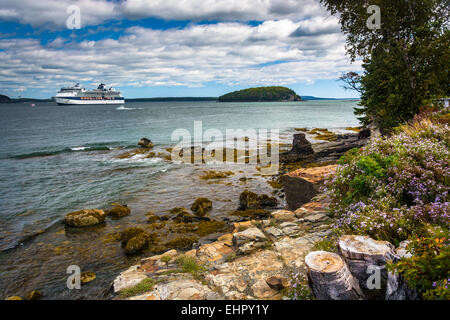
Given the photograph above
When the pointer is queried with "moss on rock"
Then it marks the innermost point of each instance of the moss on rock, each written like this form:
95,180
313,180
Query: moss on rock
118,211
208,227
87,277
84,218
251,201
129,233
181,242
251,214
201,206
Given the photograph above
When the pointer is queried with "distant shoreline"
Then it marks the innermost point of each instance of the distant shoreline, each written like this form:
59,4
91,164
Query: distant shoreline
172,99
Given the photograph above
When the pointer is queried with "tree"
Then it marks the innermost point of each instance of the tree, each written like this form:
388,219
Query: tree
405,61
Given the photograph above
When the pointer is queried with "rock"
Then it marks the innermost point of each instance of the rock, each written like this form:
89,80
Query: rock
129,278
85,218
215,252
151,217
302,185
201,206
301,149
14,298
136,244
261,290
249,240
87,277
237,279
290,229
274,232
118,211
182,289
293,250
129,233
146,143
329,151
185,217
314,218
330,277
364,257
266,201
33,295
277,282
135,240
364,133
250,201
283,215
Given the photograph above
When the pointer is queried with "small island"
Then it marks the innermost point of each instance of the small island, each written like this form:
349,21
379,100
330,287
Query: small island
4,99
261,94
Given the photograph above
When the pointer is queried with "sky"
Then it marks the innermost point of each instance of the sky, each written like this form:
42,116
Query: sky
171,48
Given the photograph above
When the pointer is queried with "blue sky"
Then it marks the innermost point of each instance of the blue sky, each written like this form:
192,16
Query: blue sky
154,48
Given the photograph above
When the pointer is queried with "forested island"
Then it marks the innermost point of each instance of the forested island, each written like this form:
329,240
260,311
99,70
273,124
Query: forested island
4,99
261,94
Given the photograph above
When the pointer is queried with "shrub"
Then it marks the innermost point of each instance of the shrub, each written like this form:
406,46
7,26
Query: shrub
394,186
428,270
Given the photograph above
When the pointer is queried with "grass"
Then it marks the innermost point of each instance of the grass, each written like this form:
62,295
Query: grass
166,259
190,265
144,286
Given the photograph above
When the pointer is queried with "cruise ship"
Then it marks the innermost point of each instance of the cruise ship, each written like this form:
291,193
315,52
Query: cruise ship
79,95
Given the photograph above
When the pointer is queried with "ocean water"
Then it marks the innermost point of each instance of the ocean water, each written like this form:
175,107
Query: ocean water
58,159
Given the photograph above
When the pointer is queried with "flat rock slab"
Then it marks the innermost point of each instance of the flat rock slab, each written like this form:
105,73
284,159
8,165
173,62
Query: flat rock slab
179,290
129,278
247,274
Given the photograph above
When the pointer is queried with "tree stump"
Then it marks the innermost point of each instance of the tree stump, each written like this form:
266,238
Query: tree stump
397,289
330,277
367,259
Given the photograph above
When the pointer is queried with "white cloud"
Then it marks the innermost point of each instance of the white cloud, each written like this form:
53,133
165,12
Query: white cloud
227,53
239,10
52,14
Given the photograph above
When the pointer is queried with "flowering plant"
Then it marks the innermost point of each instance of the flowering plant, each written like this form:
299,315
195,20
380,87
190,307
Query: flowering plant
393,187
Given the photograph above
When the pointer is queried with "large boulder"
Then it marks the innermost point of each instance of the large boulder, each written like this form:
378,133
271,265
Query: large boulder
146,143
300,186
201,206
301,149
85,218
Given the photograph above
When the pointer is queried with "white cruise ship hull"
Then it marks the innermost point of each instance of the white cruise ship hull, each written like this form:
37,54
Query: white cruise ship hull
70,100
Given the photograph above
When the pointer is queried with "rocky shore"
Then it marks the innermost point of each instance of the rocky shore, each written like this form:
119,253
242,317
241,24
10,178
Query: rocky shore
254,261
257,258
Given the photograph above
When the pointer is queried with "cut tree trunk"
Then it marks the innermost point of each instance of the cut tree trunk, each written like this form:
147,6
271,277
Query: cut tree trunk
367,259
330,277
397,289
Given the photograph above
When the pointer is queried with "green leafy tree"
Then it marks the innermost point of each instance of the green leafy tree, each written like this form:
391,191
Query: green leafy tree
405,61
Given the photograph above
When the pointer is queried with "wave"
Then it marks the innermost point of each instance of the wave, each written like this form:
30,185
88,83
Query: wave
102,146
125,108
